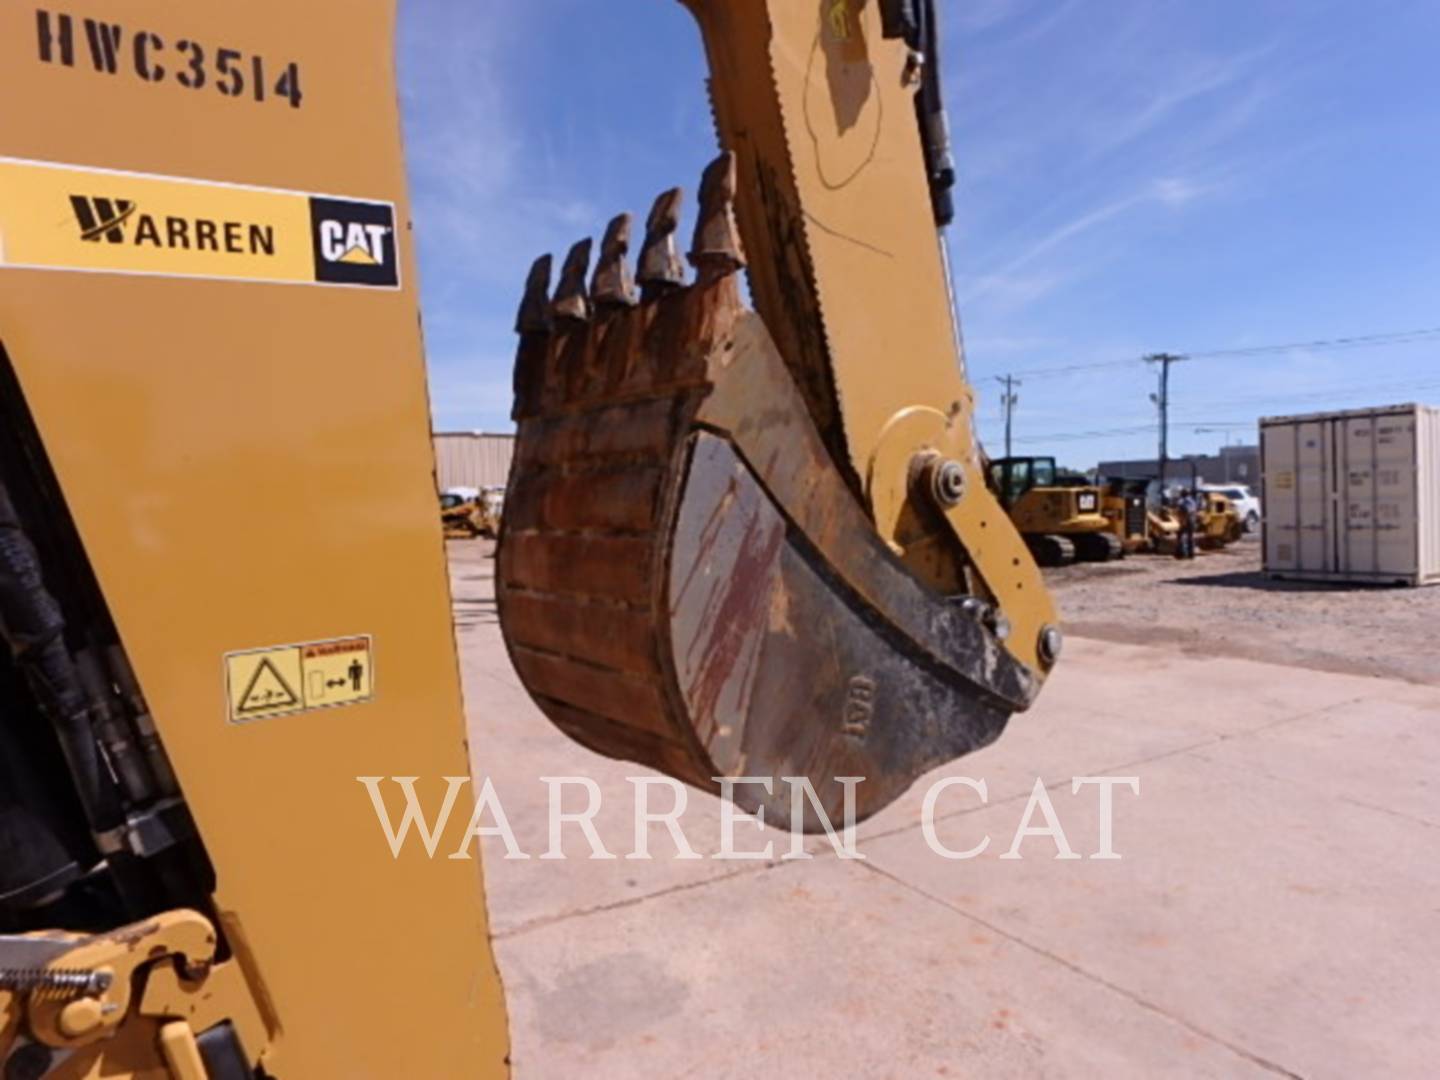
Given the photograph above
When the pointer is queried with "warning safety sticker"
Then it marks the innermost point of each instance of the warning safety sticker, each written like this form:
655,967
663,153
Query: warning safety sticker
287,679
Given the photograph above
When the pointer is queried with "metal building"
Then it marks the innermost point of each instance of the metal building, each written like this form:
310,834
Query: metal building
1232,465
475,459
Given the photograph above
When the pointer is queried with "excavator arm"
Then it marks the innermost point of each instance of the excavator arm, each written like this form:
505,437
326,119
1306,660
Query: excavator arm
738,543
760,543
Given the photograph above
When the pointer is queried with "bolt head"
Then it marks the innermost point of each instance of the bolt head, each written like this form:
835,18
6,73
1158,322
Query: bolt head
976,608
80,1018
948,483
1052,641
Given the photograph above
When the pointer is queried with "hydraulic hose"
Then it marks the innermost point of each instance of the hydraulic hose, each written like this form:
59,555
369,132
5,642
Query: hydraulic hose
34,629
917,23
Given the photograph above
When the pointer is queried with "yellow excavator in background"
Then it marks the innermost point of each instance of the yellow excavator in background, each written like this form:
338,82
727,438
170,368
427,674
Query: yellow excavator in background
1059,515
207,284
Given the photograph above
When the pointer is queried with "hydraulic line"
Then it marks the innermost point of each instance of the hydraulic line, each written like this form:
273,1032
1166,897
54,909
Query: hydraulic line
34,628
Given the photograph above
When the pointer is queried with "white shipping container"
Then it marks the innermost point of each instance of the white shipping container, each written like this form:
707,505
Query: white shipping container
1353,496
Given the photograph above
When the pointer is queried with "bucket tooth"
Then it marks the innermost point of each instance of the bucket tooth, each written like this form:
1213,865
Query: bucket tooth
717,249
661,270
533,324
571,300
613,284
534,314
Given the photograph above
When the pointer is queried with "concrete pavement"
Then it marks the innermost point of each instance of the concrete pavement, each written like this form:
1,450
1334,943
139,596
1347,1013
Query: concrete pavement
1274,910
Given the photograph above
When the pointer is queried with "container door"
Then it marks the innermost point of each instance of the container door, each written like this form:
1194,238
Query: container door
1281,497
1314,495
1359,547
1427,492
1396,484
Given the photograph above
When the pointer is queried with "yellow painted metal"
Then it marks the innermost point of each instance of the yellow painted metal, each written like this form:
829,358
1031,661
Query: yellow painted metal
269,241
107,1031
11,1010
1163,528
182,1055
1054,510
1219,521
299,413
846,265
1114,507
152,953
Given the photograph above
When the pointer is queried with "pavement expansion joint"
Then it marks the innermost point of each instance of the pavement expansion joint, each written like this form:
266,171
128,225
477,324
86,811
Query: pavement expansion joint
645,898
1039,950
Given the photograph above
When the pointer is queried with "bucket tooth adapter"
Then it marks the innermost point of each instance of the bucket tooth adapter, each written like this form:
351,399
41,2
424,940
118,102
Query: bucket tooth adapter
760,544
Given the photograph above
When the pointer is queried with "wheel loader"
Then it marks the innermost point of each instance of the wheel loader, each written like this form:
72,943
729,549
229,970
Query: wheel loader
1060,517
460,514
467,513
736,541
1220,522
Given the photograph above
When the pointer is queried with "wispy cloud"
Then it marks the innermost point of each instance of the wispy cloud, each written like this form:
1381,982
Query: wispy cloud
1017,288
1135,175
1129,122
1162,97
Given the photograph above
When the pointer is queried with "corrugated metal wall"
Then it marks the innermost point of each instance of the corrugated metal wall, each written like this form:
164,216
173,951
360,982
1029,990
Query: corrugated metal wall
472,459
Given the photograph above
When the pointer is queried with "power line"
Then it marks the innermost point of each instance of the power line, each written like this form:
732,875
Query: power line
1070,369
1387,387
1399,337
1162,398
1137,429
1151,425
1396,337
1072,436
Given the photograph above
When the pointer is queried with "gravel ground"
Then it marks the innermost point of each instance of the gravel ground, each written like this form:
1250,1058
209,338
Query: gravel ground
1222,605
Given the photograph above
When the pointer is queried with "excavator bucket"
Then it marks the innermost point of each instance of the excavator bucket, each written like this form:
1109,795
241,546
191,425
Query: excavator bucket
685,580
698,569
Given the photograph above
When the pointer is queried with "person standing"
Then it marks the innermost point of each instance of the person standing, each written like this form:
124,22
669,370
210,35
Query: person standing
1189,508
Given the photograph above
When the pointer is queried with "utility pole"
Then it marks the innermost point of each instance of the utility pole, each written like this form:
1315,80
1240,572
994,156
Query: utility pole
1010,400
1162,402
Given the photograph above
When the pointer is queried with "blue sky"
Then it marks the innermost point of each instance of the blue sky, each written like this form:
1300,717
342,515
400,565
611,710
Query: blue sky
1135,176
